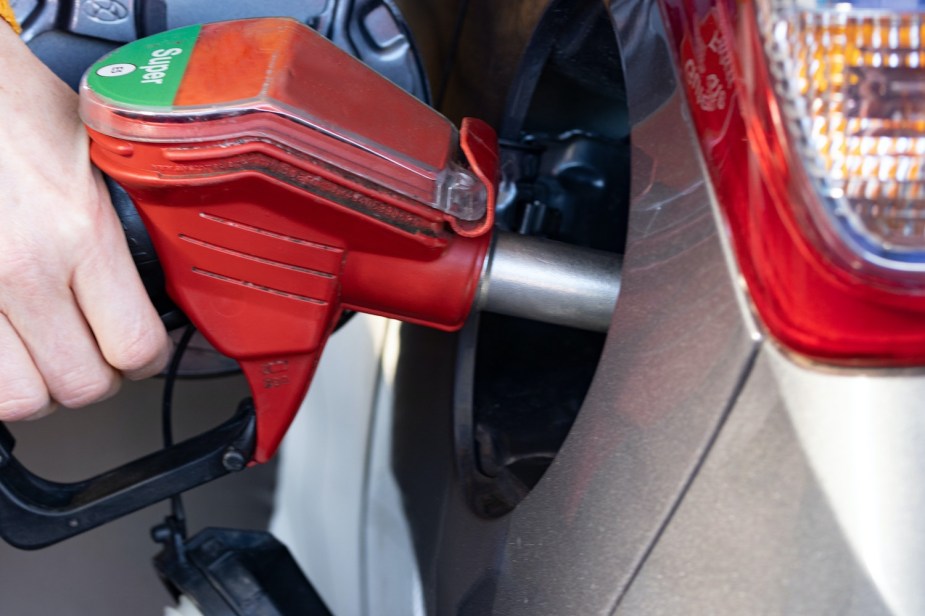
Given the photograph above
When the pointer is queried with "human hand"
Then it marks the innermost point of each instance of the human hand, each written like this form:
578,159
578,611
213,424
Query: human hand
74,314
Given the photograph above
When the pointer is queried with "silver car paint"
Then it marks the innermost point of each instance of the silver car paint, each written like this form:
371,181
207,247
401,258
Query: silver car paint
759,531
674,361
706,472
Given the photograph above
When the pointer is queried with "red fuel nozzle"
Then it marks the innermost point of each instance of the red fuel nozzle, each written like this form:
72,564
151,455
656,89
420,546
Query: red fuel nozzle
282,182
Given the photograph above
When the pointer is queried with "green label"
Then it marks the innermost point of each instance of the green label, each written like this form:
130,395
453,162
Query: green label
147,72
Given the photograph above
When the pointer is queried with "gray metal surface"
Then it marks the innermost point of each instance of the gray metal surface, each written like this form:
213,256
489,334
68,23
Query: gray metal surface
36,16
863,435
674,359
185,12
114,20
788,515
550,281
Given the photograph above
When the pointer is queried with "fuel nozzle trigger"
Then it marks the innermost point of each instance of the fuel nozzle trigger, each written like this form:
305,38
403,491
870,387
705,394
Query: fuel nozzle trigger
36,512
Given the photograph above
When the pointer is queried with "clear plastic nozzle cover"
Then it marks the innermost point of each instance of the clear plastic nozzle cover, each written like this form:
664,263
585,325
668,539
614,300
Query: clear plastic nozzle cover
277,80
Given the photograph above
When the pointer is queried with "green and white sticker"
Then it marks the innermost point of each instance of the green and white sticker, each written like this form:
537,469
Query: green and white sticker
147,72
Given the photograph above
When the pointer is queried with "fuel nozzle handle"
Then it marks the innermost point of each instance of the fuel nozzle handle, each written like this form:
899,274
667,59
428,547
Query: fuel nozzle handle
144,256
264,269
523,276
273,213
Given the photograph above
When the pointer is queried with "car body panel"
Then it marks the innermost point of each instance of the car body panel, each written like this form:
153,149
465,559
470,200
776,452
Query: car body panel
707,471
757,531
674,360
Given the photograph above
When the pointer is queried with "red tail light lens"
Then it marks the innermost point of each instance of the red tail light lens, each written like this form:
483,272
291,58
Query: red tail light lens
811,117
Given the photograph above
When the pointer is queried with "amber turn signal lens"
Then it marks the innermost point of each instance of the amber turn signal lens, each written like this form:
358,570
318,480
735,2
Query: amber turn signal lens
850,82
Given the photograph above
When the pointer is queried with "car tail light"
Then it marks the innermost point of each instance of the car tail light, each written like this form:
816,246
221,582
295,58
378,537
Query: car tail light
811,118
850,80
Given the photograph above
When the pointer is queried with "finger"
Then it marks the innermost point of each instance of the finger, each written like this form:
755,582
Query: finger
61,345
110,294
22,390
